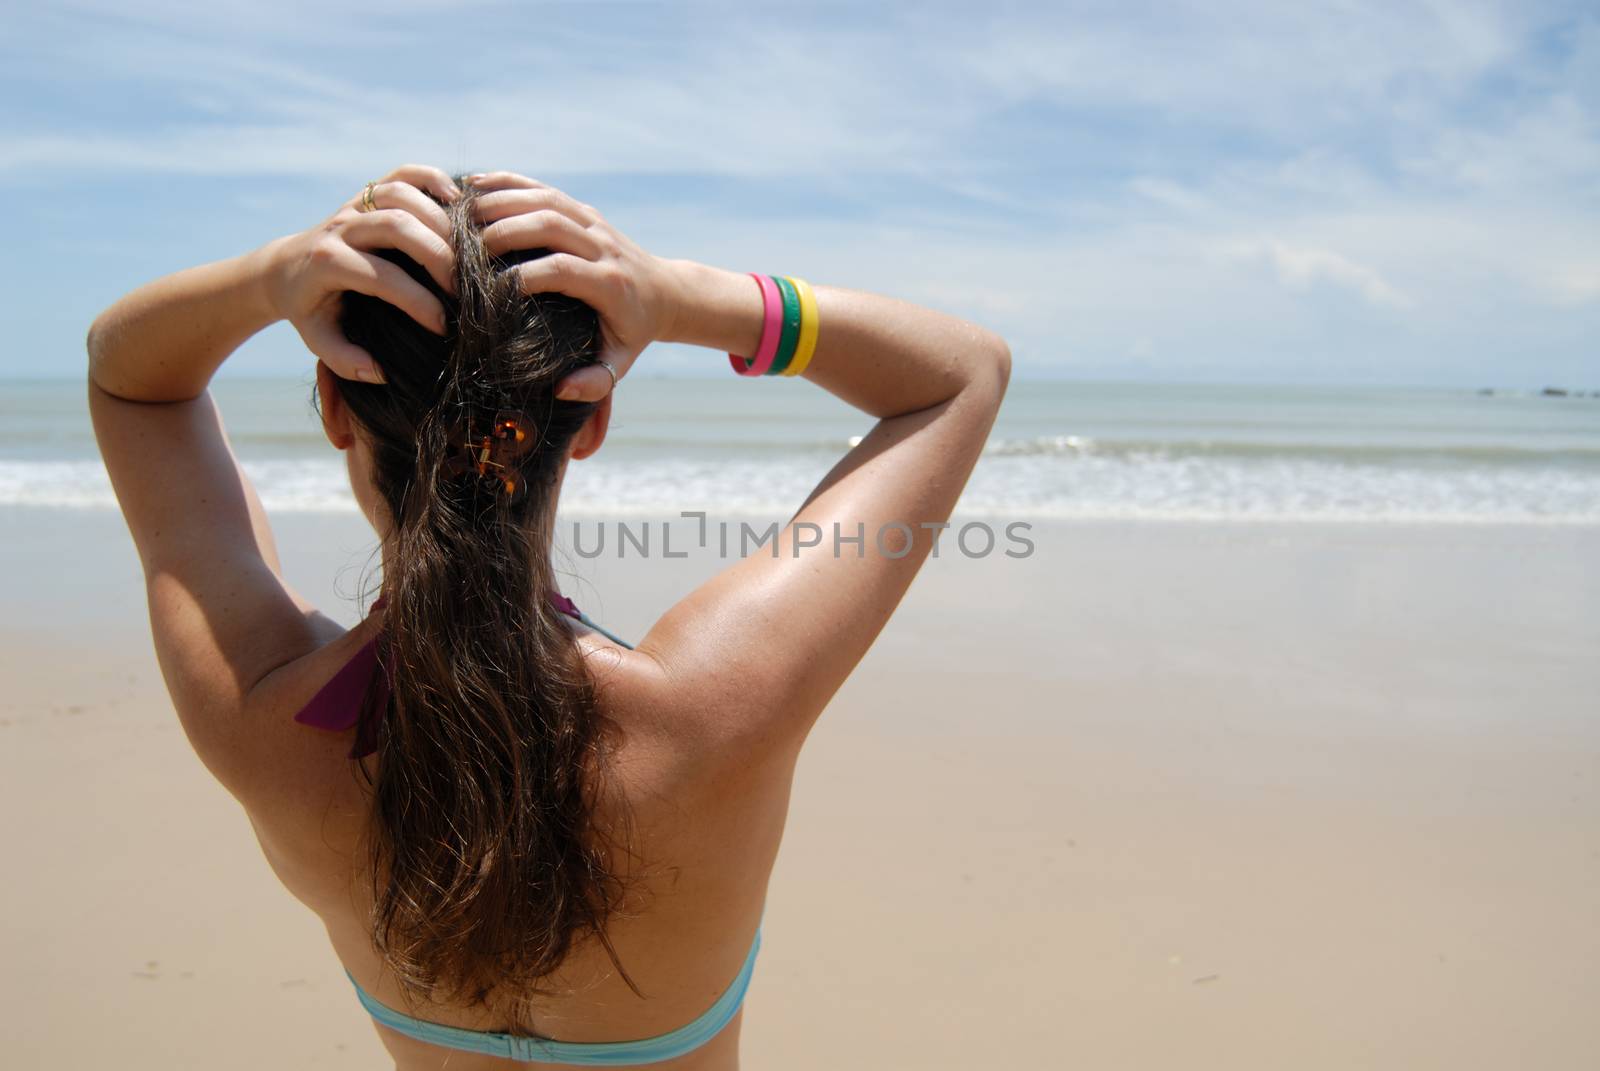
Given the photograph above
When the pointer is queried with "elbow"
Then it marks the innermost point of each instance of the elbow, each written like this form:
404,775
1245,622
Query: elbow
996,366
1002,362
100,369
94,338
92,345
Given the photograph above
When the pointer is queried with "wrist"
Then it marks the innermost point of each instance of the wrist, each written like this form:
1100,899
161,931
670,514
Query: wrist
713,307
262,268
679,289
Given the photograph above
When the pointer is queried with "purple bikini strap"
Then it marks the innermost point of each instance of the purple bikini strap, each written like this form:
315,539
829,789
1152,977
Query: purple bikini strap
337,705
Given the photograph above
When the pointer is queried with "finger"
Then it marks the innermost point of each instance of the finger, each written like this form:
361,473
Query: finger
344,358
503,180
589,384
406,196
376,277
395,228
427,178
544,229
563,273
502,203
402,195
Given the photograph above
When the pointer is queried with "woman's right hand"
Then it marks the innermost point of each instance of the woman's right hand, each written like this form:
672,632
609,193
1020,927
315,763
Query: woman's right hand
590,260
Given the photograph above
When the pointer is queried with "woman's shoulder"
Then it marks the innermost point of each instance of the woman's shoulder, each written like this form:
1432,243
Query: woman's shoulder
295,750
681,741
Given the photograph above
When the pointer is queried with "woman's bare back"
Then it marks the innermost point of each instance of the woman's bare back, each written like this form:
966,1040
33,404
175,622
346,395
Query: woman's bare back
704,842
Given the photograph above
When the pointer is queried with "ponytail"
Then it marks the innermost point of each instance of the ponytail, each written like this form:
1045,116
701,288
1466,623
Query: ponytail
487,862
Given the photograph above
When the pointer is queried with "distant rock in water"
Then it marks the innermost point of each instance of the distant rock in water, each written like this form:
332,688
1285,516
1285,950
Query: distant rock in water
1554,392
1486,390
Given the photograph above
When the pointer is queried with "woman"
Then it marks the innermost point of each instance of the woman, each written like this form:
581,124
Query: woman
528,841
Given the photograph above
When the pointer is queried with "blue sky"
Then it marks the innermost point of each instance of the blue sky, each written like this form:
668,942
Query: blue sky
1344,193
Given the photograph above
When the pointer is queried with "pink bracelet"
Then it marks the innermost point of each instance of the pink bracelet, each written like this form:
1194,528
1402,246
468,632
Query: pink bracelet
771,331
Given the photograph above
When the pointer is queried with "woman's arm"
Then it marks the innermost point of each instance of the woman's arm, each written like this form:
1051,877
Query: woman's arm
898,357
221,615
759,650
164,341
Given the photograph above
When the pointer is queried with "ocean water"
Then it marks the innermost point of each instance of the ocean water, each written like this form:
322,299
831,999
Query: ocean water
1060,450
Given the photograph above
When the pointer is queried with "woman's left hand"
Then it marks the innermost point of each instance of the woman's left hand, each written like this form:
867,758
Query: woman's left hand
307,272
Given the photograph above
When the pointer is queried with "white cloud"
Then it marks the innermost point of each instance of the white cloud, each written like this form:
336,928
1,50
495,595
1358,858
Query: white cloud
1300,267
1574,284
1170,194
1549,144
1262,65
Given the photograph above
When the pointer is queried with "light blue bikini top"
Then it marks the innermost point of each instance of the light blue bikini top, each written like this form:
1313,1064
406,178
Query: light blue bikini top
577,1053
335,708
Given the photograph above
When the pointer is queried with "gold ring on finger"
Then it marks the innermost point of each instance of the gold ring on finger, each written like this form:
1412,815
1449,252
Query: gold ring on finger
367,201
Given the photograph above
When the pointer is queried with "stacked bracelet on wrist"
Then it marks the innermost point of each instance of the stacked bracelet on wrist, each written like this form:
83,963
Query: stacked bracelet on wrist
788,328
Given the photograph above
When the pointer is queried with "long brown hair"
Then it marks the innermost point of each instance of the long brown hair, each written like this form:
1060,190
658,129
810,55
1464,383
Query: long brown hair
487,861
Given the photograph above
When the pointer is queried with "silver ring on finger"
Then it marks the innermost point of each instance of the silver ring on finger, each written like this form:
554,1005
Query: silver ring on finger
607,366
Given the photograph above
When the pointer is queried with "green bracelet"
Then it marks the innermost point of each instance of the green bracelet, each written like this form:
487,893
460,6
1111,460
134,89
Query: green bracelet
789,340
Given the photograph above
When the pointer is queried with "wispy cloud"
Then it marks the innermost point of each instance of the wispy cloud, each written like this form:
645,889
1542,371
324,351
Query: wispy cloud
1245,190
1301,267
1575,284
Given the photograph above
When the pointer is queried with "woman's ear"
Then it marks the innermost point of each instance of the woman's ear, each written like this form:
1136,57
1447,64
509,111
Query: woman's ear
593,432
335,414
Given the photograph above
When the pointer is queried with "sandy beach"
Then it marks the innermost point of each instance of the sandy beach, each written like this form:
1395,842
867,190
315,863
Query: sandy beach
1280,751
1210,795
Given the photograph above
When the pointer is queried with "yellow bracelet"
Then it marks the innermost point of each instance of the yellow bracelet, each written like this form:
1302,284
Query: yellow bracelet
808,328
